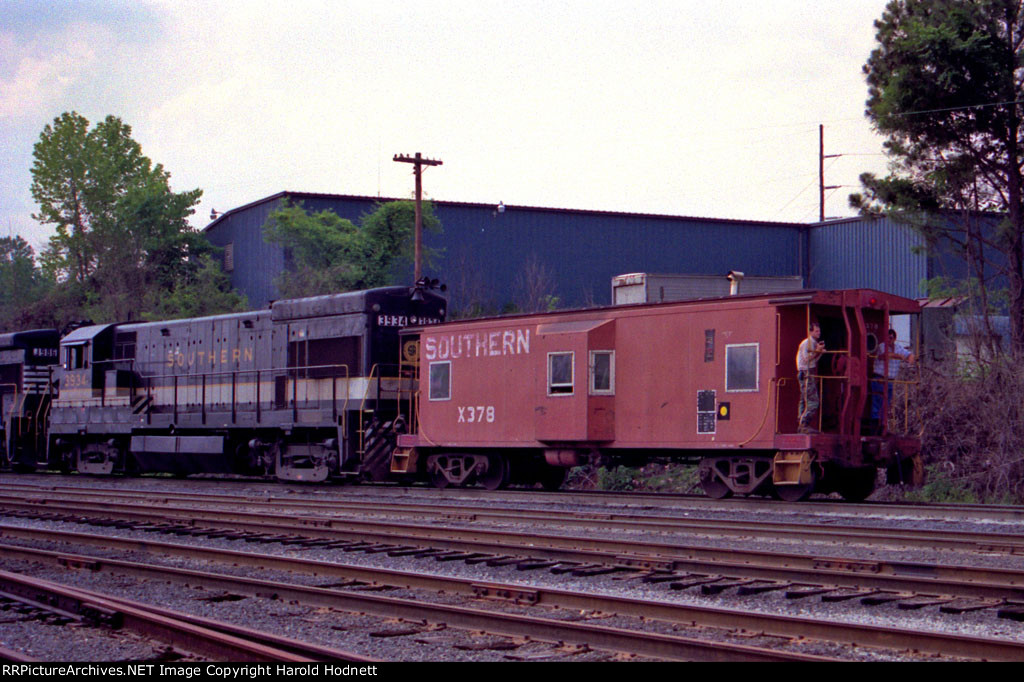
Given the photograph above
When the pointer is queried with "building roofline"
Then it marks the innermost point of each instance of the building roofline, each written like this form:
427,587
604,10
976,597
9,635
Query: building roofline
507,207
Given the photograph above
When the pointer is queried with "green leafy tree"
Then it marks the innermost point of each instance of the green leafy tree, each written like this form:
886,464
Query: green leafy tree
122,243
328,254
23,284
945,89
204,291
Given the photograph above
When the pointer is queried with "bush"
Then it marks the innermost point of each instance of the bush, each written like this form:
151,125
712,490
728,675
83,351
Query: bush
971,422
670,478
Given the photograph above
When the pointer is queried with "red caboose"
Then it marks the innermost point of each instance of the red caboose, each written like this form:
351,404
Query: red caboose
714,381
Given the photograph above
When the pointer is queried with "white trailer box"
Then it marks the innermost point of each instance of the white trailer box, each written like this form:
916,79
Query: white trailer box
642,287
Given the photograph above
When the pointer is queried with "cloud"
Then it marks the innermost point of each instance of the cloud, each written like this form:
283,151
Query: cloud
41,75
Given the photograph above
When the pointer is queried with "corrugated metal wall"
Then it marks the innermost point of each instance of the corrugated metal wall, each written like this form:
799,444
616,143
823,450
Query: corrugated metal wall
486,253
867,253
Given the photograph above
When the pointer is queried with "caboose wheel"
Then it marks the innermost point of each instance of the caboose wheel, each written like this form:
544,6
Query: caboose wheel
552,478
856,484
497,475
795,493
713,485
438,479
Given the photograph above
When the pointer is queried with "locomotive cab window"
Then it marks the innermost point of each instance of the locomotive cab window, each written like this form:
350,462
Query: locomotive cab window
440,381
741,363
602,372
74,357
560,373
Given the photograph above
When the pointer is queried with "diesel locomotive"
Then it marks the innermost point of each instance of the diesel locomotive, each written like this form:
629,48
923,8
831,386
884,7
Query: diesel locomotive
304,391
711,381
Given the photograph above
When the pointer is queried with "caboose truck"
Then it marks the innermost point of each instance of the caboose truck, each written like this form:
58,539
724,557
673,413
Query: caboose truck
304,391
520,399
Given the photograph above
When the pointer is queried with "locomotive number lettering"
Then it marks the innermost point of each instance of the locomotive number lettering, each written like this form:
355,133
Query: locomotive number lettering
475,414
77,380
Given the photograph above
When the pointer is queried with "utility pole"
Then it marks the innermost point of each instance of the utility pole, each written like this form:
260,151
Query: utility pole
821,172
418,162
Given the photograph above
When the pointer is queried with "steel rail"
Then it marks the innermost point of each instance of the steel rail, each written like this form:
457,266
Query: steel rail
846,633
895,576
137,618
656,645
1010,543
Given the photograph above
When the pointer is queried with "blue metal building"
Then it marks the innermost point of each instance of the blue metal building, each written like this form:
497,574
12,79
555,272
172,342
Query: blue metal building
488,252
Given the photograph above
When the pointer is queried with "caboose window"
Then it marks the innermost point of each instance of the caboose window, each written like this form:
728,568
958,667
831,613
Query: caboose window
741,367
602,372
440,380
560,373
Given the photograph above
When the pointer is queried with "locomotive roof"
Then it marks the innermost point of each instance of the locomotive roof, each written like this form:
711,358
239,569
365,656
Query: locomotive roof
30,338
340,304
289,309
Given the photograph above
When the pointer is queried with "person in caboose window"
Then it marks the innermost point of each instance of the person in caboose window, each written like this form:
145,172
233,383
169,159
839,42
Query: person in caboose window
888,357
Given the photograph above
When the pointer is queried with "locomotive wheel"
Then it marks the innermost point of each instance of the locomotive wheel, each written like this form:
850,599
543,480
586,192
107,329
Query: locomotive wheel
497,475
856,484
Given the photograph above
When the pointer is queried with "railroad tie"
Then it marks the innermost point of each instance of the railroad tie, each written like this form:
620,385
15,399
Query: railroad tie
426,553
809,591
922,601
409,551
694,582
966,605
852,593
459,556
764,586
718,587
655,578
380,549
1012,612
587,572
533,564
884,598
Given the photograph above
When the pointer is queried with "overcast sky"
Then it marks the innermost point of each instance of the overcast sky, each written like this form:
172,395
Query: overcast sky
685,107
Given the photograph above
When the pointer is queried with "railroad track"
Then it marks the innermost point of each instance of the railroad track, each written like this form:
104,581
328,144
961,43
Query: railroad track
612,639
995,587
985,542
187,633
632,499
551,630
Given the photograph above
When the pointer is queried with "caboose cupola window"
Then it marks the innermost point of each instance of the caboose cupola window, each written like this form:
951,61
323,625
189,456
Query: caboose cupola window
602,372
560,373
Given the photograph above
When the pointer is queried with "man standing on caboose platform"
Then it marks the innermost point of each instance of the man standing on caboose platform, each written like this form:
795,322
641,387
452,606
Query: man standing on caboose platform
807,356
